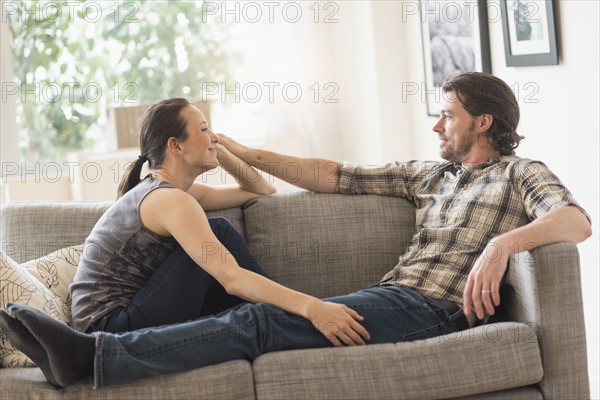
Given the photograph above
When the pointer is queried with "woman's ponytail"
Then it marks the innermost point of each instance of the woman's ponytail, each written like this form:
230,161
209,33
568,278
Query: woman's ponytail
132,176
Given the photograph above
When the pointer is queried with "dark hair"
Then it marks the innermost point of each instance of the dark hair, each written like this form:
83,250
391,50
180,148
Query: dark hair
160,122
482,93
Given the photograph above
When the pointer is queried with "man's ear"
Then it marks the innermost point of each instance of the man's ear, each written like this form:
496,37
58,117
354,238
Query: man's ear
485,122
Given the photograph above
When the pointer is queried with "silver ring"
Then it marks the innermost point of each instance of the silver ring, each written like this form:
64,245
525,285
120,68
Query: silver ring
486,291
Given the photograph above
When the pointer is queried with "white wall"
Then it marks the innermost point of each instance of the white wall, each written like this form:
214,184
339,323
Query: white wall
561,129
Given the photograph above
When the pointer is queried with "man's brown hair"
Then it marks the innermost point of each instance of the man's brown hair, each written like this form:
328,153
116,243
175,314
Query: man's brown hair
482,93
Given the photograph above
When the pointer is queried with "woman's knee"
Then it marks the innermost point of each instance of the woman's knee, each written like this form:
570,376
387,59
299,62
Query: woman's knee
220,225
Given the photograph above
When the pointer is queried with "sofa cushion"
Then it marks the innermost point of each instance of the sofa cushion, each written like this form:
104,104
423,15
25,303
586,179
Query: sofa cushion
230,380
531,392
485,359
328,244
19,286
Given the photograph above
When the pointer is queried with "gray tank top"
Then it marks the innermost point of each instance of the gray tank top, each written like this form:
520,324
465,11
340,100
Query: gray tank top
119,257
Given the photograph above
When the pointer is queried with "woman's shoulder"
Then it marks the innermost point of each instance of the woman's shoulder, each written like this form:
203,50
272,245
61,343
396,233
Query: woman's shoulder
167,195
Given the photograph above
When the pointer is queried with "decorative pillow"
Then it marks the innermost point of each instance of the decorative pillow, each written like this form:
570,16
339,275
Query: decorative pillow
42,283
57,271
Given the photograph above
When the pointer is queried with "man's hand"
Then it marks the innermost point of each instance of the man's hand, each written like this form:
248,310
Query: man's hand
316,174
482,291
338,323
562,224
233,146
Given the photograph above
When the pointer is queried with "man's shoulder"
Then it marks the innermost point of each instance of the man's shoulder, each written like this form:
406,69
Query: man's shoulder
521,165
524,171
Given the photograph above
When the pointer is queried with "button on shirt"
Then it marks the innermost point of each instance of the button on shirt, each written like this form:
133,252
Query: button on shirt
458,211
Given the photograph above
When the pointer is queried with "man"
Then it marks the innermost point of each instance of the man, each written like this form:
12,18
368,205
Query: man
482,194
473,212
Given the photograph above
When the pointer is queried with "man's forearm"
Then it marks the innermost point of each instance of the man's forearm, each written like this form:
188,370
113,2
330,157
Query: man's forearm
564,224
316,174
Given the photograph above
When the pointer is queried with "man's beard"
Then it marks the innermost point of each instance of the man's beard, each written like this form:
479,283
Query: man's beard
463,146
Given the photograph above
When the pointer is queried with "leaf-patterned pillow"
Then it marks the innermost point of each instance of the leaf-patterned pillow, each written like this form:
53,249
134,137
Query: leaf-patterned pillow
57,271
19,286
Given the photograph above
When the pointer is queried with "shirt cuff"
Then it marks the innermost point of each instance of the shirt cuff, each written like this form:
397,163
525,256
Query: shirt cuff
345,177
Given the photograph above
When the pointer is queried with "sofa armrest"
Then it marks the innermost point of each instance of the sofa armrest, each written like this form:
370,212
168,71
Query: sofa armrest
543,289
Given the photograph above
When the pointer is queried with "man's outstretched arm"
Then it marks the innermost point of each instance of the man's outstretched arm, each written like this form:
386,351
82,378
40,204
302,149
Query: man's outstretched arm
482,292
316,174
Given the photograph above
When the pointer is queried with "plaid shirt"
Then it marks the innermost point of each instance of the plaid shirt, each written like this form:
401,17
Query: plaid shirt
458,210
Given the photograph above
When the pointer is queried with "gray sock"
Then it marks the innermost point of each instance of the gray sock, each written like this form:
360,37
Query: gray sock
70,354
24,341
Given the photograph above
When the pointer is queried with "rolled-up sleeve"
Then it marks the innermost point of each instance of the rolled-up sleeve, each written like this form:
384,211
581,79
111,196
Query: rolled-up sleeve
542,191
394,179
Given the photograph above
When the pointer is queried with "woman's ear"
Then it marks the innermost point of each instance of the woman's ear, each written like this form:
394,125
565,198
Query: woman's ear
173,145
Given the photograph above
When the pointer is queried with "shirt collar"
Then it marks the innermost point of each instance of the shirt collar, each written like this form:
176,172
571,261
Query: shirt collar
491,161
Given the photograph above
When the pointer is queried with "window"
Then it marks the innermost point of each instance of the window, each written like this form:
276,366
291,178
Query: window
72,61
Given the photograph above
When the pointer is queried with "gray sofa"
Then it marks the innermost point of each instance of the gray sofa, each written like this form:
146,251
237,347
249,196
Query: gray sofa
535,349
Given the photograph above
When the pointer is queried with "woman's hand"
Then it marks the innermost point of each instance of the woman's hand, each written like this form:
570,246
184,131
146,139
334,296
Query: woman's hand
338,323
245,175
223,155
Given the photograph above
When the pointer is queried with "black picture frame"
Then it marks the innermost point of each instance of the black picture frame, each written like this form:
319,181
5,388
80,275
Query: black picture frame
451,44
529,32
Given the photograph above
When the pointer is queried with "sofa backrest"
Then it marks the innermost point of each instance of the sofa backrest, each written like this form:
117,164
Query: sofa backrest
322,244
328,244
29,230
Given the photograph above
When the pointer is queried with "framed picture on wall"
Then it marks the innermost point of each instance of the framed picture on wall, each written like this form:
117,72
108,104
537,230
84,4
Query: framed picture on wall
455,39
529,34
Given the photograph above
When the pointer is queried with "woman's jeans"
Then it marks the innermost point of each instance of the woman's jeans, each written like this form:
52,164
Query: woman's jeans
180,290
391,313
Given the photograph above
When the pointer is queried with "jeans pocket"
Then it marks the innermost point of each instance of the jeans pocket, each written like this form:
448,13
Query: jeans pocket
433,322
431,331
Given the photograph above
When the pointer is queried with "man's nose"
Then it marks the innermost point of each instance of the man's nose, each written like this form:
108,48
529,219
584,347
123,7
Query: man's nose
439,125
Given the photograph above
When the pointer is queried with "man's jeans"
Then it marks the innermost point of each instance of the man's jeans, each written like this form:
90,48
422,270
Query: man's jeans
180,290
391,313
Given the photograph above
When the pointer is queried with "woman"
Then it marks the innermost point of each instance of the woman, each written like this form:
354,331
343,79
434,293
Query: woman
134,273
154,258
